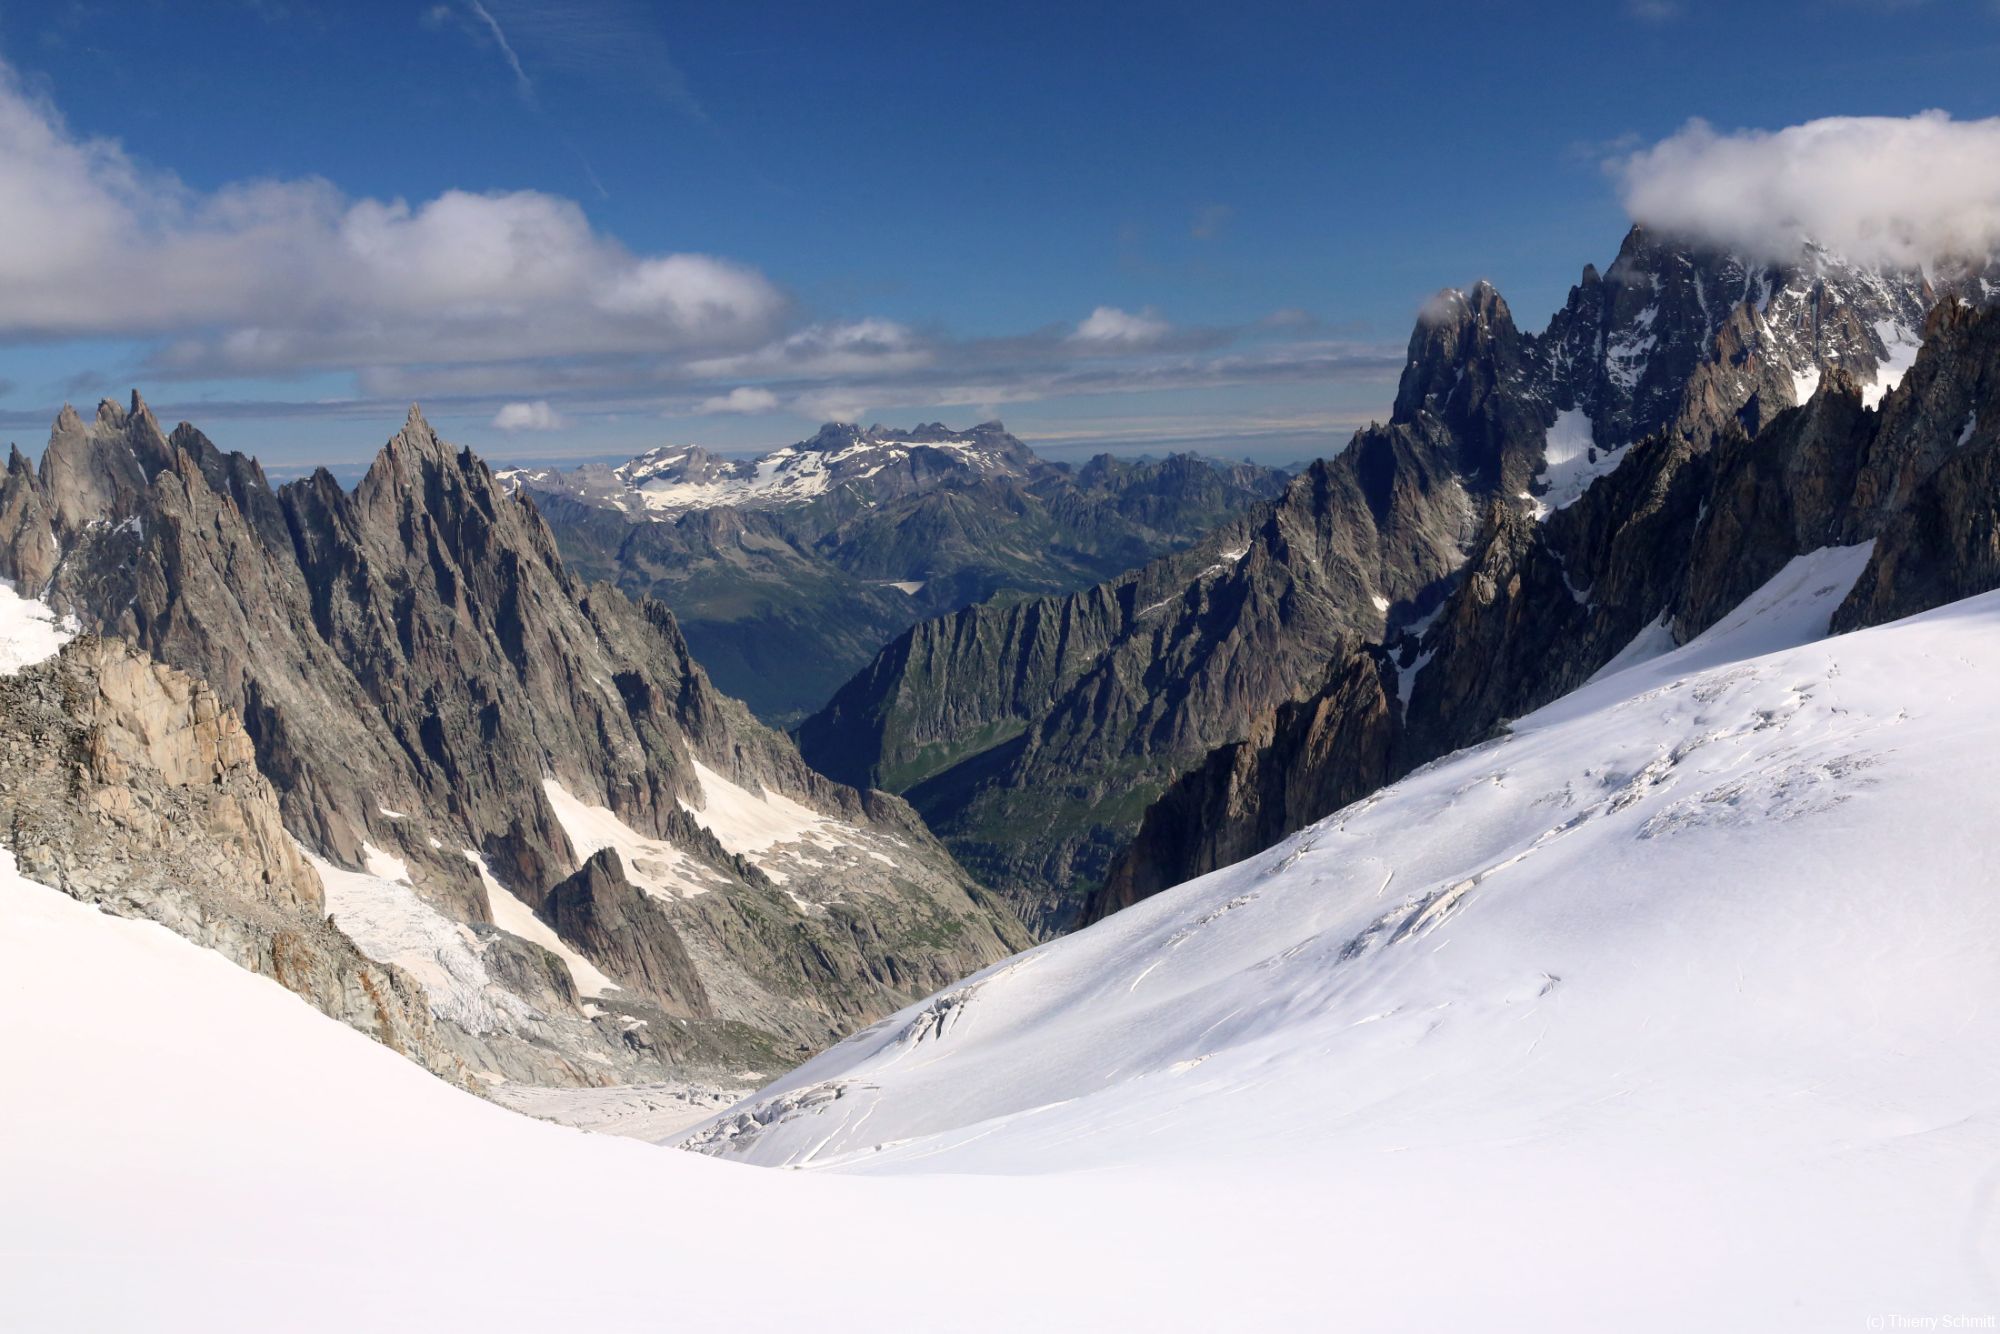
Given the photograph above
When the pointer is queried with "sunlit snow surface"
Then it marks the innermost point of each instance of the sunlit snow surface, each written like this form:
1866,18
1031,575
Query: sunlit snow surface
653,864
1900,346
384,916
1707,952
1673,1009
29,631
1571,461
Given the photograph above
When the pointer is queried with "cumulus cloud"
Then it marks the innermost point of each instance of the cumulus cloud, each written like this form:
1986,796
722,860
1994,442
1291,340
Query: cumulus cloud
1112,327
498,305
1877,189
535,416
833,404
742,399
268,276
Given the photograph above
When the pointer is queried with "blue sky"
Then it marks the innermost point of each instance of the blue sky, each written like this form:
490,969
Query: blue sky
1108,224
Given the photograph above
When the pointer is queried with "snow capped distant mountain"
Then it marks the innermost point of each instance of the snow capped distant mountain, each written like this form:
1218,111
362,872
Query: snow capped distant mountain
790,570
879,461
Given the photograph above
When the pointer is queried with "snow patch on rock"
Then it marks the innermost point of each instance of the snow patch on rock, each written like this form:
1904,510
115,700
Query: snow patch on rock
516,918
384,916
653,864
30,632
1571,461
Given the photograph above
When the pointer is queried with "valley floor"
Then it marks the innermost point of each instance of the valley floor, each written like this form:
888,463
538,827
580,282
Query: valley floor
1674,1008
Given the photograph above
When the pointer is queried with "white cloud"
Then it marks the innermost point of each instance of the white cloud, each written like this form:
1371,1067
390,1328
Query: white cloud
858,347
742,399
1112,327
535,416
1877,189
269,277
833,404
498,305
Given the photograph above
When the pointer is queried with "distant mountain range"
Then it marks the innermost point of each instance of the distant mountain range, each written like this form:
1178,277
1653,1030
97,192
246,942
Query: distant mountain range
789,571
1034,735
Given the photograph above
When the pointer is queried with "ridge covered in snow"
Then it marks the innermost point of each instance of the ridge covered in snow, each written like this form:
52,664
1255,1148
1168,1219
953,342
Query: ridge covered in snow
672,480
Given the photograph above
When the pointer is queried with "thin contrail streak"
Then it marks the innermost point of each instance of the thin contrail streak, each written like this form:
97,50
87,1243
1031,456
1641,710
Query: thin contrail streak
506,47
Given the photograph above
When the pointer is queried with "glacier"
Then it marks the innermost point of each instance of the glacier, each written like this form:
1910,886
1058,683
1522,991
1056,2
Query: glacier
1674,1004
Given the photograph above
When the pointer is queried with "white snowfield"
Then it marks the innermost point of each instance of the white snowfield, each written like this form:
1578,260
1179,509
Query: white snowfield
1571,461
653,864
1674,1009
387,920
29,630
767,828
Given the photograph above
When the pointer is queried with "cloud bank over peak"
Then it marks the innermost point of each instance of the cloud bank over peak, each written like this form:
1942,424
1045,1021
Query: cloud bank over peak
1903,191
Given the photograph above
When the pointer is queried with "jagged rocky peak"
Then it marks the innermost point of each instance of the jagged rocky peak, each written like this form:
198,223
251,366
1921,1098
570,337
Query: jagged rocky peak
1897,501
1625,347
451,723
1457,332
1674,336
96,470
29,548
414,438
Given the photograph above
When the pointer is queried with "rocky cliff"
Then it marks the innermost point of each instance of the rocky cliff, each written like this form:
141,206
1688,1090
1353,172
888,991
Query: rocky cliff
1033,736
788,572
1676,537
127,784
446,713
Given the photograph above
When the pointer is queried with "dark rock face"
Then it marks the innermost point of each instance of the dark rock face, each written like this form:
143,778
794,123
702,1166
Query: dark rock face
607,917
1786,491
788,573
1930,473
1310,755
1689,524
413,661
31,550
1032,735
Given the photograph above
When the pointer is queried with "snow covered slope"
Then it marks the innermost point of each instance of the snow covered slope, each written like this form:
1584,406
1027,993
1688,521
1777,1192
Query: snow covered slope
1674,1008
29,631
1696,971
156,1180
